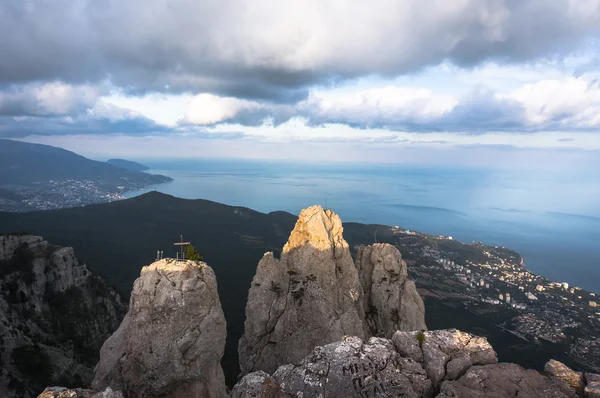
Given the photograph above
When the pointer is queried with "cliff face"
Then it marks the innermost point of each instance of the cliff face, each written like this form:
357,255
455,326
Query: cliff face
171,341
391,299
54,316
442,364
311,296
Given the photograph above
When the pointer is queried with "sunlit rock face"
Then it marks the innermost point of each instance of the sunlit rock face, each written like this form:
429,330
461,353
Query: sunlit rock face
391,300
171,341
309,297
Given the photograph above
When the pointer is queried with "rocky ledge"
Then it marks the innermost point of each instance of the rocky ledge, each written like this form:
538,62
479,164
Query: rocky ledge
441,363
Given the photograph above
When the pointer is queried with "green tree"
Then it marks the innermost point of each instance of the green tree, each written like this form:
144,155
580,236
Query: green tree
192,254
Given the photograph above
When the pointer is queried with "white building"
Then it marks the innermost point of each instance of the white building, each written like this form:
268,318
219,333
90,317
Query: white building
530,296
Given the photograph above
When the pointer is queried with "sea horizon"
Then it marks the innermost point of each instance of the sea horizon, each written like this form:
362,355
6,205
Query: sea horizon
550,219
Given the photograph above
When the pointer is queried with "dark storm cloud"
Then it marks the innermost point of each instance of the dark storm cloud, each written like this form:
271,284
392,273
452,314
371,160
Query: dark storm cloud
270,50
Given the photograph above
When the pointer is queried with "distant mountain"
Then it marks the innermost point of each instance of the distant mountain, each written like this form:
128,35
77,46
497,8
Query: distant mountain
23,163
127,165
42,177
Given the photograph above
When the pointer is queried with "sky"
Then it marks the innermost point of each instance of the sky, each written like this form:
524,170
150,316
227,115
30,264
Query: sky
514,83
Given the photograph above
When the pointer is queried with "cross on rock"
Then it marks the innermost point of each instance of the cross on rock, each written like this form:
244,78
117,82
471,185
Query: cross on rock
181,244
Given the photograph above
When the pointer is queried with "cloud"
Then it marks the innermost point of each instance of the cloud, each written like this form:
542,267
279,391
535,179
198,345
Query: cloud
277,51
101,118
568,104
47,99
210,109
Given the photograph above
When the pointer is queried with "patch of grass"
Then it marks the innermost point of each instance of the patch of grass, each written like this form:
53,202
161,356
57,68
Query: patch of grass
420,338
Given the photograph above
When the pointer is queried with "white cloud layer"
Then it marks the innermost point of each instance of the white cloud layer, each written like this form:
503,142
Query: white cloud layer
522,73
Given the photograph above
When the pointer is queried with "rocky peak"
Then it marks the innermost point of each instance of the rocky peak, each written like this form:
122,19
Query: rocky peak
391,300
171,341
321,229
310,296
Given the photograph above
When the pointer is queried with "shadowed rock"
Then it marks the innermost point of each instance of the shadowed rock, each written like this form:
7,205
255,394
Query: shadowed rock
54,316
309,297
172,339
391,300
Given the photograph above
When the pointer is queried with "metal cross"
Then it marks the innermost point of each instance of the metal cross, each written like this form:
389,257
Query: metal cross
181,243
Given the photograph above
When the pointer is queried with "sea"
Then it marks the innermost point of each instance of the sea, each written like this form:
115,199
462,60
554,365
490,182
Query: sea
551,219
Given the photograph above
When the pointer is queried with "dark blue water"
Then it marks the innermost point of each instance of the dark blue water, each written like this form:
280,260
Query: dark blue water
551,219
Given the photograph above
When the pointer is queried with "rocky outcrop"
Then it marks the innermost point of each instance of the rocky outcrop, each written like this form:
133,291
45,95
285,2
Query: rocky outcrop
349,368
443,364
62,392
503,380
311,296
391,301
54,316
171,341
444,354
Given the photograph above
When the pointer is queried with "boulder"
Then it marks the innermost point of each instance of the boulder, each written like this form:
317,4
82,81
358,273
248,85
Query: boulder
592,387
445,354
309,297
569,380
391,301
501,380
592,390
171,341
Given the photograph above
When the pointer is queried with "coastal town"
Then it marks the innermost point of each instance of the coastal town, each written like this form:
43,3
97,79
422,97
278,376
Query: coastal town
57,194
492,282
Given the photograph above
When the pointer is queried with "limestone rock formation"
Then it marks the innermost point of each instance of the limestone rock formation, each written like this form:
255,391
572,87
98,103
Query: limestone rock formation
309,297
350,368
54,316
62,392
391,300
444,364
171,341
503,380
444,354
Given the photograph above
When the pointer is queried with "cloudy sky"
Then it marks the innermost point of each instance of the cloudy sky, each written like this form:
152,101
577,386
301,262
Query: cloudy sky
465,81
